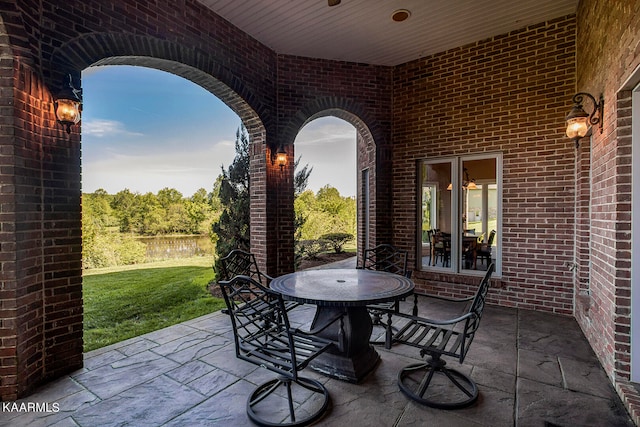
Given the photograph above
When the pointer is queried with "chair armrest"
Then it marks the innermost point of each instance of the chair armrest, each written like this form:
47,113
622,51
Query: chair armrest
436,322
454,300
465,299
266,277
340,343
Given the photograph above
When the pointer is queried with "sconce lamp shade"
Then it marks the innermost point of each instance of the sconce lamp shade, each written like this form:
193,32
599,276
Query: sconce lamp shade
577,123
281,158
67,105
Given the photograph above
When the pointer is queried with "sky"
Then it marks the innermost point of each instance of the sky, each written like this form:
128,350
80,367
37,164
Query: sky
144,130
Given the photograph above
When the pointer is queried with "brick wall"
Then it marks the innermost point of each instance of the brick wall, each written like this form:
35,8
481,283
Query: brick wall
8,256
41,312
608,50
507,94
358,93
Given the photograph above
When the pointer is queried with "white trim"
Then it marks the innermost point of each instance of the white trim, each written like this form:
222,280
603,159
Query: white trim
635,229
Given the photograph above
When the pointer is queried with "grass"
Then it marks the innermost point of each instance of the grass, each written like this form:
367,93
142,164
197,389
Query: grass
124,302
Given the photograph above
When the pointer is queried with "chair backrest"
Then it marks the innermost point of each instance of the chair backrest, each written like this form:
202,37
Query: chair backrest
241,263
386,257
260,324
475,313
492,236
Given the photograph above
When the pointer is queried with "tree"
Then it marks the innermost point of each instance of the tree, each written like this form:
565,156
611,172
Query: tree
199,212
232,229
124,206
300,180
326,212
169,196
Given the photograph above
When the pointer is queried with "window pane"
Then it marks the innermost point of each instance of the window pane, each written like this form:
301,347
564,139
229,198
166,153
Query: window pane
436,215
479,210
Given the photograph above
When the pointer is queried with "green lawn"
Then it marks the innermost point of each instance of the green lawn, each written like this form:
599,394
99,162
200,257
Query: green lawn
124,302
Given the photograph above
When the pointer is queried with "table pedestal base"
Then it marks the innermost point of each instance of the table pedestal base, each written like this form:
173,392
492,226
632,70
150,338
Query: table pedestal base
357,358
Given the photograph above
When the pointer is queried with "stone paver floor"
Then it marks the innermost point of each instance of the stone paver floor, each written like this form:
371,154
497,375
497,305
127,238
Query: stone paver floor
533,369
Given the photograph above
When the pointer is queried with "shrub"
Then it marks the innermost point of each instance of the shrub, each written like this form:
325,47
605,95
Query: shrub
112,249
337,240
309,249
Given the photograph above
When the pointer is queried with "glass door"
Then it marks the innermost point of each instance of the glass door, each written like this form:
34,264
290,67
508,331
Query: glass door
436,213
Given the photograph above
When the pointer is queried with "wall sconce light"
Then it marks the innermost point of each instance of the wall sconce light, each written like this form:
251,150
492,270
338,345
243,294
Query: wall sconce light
280,157
579,122
67,104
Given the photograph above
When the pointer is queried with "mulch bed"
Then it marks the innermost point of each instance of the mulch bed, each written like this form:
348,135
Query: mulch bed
324,259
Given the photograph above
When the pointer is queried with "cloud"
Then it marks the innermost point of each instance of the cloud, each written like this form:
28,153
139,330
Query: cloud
100,128
328,145
196,164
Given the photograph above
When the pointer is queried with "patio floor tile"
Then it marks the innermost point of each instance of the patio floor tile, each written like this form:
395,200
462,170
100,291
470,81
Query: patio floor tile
536,367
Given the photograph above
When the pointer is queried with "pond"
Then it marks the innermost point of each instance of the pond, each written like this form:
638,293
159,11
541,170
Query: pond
163,247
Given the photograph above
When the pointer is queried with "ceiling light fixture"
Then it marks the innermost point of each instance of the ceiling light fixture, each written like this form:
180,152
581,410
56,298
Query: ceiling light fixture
400,15
467,184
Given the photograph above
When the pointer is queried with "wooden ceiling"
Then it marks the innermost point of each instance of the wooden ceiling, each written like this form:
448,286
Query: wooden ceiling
364,31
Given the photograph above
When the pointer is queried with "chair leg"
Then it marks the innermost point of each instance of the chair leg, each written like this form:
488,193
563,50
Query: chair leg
432,384
272,411
388,334
388,329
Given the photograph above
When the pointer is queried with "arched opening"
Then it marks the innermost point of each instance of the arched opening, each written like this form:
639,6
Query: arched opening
328,207
152,147
366,159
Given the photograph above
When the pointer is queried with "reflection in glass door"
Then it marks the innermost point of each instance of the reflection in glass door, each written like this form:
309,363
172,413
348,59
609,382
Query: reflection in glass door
479,213
459,213
436,214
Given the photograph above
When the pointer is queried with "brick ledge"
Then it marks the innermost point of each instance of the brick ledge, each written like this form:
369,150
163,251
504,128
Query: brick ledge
630,396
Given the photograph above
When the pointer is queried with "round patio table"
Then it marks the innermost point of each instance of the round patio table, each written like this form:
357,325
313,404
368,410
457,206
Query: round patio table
344,292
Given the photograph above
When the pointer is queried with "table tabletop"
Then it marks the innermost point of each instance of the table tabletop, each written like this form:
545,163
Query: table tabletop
342,287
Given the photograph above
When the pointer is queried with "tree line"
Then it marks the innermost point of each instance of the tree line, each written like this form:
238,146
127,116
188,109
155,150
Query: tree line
111,222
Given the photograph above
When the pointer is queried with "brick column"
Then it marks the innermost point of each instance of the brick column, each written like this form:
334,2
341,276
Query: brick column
40,223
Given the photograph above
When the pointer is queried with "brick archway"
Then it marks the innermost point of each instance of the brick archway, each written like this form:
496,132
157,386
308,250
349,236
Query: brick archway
371,148
97,49
51,287
205,70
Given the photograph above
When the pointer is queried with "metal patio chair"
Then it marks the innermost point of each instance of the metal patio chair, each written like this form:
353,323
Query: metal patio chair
243,263
264,337
385,257
431,383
